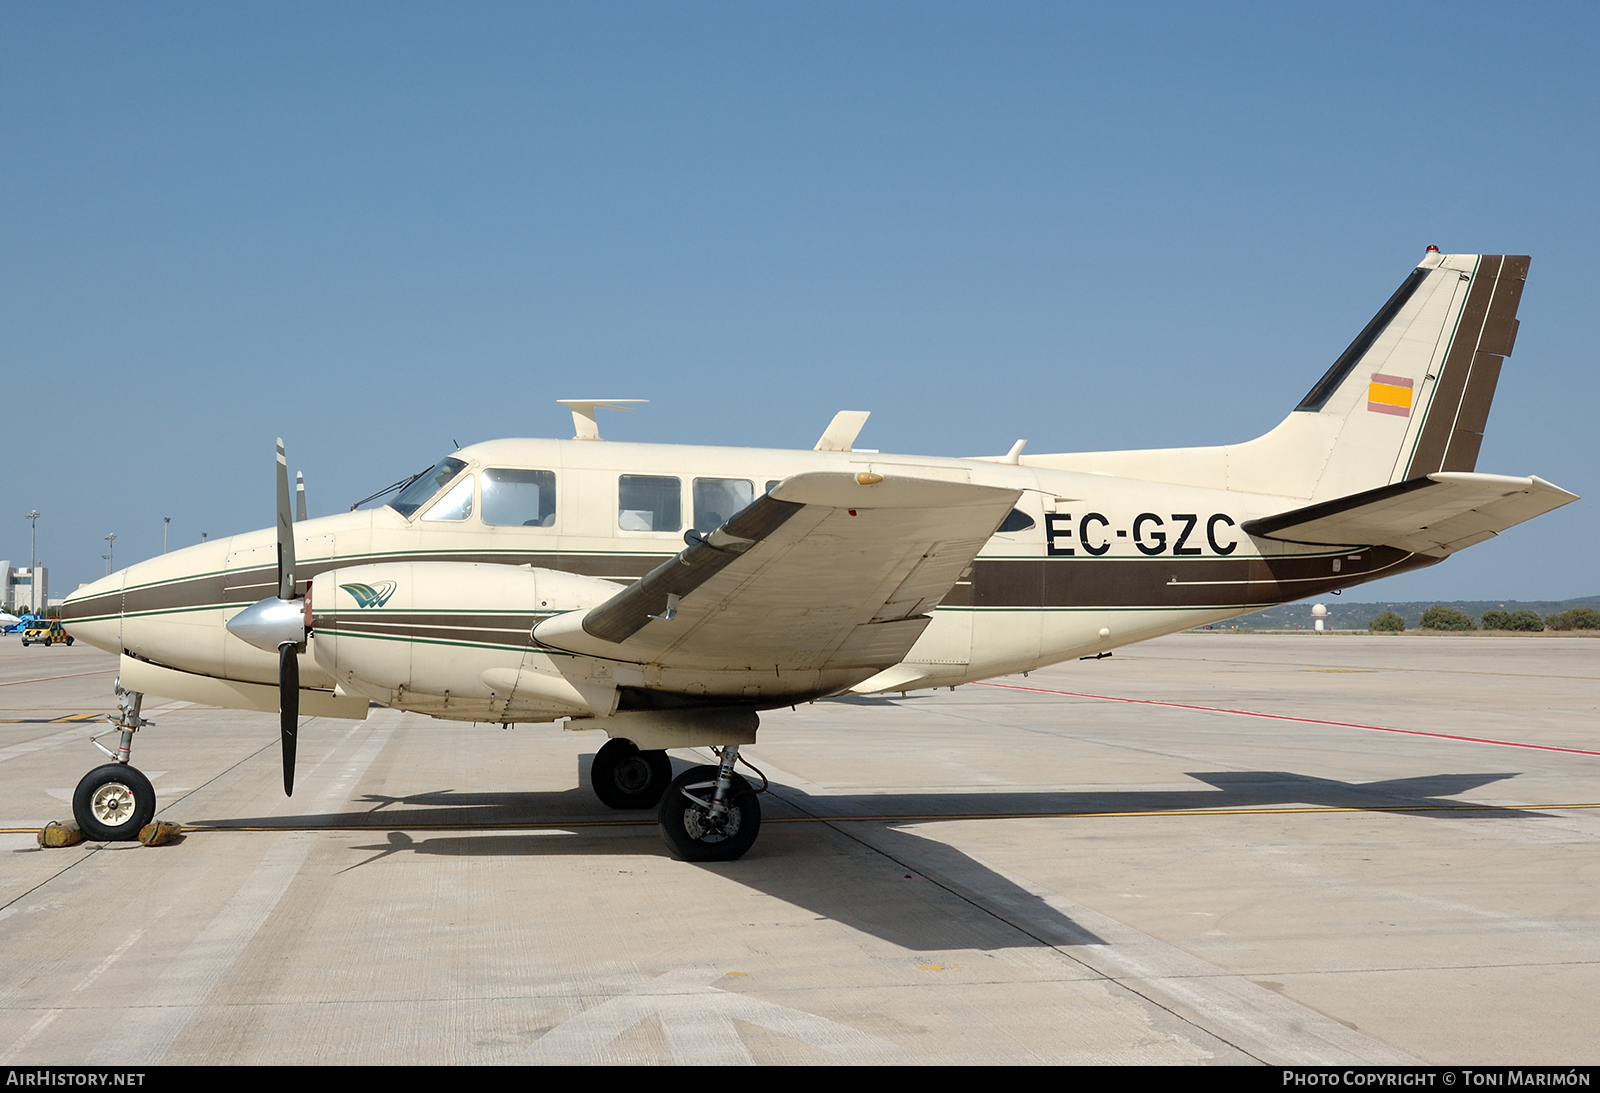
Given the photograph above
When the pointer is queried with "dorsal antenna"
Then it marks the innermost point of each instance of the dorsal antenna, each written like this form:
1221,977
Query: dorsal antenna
584,425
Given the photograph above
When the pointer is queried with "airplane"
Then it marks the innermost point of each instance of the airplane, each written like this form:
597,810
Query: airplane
668,594
9,622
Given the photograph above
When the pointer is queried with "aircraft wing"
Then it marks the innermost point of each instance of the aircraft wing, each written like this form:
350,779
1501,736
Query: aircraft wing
827,571
1437,514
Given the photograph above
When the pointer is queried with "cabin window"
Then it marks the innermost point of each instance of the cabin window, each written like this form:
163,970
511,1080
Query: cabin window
646,502
455,505
716,499
1016,520
519,499
771,484
424,486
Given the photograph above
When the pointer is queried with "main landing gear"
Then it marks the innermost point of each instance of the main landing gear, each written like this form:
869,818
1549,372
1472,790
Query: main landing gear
114,801
707,813
710,813
625,777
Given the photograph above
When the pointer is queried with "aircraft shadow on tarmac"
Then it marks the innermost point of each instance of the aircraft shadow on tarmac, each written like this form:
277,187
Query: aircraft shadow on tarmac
855,888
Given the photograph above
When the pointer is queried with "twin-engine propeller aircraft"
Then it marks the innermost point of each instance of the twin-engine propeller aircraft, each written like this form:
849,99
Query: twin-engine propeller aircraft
536,580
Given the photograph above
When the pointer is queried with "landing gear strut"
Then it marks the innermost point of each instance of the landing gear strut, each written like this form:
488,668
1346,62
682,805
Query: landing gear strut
625,777
114,801
710,813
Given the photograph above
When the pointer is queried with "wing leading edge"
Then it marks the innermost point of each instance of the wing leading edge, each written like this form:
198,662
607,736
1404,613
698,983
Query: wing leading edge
827,572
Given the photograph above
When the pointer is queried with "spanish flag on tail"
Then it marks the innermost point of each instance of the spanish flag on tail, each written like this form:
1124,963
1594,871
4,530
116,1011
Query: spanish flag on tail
1389,395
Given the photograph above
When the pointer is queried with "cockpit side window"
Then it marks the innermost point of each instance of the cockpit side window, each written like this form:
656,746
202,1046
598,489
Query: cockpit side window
517,498
414,496
455,505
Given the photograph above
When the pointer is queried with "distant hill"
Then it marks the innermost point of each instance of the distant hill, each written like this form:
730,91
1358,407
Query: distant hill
1356,616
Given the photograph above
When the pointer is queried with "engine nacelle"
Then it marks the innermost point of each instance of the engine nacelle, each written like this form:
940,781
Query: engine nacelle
455,639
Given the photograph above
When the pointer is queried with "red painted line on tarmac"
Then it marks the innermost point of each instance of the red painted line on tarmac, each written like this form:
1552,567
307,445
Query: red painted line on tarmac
1286,717
47,679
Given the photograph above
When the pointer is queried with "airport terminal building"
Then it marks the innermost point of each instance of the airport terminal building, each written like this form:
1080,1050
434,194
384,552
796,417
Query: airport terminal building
24,589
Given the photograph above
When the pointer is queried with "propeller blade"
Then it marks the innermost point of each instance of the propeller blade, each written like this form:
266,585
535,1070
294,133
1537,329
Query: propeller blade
285,530
299,496
288,710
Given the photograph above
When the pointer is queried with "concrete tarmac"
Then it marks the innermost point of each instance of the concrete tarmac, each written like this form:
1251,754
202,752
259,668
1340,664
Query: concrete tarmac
1212,848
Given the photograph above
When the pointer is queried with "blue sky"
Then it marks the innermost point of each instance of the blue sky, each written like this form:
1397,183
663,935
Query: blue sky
376,229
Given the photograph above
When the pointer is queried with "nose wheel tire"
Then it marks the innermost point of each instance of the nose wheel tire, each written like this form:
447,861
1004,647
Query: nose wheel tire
688,827
113,802
624,777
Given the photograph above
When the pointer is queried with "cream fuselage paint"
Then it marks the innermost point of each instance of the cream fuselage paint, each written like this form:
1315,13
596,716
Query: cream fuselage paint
1108,561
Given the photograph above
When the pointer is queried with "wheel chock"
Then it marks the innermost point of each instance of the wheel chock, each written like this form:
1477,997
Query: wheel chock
58,833
160,833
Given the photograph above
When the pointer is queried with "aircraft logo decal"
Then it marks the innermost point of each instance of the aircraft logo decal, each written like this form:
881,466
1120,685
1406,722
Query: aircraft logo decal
367,595
1389,395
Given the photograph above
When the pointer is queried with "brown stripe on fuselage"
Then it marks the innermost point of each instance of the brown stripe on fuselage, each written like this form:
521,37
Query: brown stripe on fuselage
251,585
508,629
1167,583
1002,582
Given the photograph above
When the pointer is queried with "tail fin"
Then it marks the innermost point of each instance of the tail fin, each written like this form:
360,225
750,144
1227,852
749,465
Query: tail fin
1409,397
1412,392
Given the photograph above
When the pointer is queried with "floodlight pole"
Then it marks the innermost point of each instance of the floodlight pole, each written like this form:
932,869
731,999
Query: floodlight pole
33,558
166,522
111,551
33,541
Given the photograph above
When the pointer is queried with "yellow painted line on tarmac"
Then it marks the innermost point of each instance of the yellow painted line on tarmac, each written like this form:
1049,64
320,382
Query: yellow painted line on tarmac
929,818
69,719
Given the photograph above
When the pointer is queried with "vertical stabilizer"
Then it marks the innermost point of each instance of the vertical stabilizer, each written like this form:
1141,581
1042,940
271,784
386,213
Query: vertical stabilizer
1412,392
1409,397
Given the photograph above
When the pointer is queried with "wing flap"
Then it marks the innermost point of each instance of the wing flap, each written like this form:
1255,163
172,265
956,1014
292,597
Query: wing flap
1437,514
828,571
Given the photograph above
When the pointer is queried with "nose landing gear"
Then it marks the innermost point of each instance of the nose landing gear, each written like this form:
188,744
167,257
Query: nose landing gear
114,801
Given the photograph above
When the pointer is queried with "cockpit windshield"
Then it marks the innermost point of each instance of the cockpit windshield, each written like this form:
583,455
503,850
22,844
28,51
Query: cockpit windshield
414,496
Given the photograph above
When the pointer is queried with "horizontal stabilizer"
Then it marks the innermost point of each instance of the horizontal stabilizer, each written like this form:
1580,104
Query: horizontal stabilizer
1436,514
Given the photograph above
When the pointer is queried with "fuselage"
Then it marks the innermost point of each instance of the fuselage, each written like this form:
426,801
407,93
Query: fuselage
1088,561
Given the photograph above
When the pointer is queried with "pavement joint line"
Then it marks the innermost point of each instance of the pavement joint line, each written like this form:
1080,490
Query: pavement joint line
974,901
1288,717
50,679
915,818
216,777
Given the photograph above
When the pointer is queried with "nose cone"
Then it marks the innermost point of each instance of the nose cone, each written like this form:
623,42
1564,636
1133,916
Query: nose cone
270,623
93,613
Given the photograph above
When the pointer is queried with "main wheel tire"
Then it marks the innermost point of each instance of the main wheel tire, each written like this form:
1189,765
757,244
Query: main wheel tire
624,777
688,828
113,802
